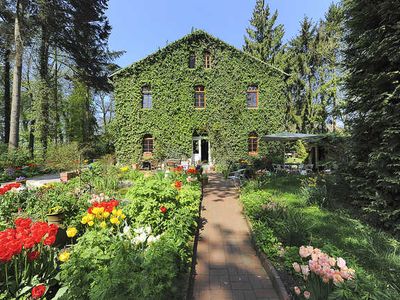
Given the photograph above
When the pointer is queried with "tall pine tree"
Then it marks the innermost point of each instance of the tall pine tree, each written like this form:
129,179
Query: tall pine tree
264,38
372,58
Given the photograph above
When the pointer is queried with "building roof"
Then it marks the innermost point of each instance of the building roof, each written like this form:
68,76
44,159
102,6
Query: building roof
289,136
194,34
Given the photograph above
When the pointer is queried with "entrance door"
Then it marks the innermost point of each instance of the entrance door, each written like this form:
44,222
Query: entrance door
204,151
201,150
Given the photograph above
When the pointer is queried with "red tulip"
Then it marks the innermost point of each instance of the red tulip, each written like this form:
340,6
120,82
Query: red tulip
38,291
163,209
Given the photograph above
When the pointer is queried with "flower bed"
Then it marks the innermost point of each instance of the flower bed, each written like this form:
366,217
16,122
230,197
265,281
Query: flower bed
12,172
311,246
110,245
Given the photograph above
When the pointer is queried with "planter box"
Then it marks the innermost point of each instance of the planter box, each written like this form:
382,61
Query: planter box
65,176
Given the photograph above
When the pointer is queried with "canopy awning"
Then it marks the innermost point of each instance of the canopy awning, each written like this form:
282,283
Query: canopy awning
288,136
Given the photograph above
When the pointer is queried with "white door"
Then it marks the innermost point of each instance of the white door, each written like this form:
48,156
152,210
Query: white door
196,156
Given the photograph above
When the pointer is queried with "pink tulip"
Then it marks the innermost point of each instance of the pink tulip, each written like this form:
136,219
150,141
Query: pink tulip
307,294
305,270
297,290
341,263
296,267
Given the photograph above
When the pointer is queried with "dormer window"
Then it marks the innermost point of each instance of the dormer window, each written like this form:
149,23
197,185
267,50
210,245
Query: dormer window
199,97
192,61
147,101
252,96
207,60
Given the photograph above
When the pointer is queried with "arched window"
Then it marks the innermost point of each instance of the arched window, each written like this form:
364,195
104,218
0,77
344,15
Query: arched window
253,143
207,59
199,97
252,96
147,101
192,61
148,144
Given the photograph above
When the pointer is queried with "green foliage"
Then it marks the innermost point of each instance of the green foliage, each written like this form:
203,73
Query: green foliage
81,123
149,194
17,157
313,62
301,150
264,39
63,156
173,119
280,212
374,106
139,273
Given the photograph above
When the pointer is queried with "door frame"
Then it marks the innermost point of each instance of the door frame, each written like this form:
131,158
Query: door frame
199,138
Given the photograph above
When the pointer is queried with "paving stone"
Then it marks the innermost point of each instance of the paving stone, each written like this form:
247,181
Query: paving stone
227,266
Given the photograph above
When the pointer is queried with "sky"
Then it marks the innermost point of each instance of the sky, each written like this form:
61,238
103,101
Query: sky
142,27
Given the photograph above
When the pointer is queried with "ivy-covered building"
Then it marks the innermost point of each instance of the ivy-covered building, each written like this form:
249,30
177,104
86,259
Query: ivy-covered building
199,99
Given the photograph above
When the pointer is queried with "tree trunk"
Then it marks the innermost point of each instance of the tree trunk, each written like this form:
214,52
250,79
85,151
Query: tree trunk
44,78
17,77
7,96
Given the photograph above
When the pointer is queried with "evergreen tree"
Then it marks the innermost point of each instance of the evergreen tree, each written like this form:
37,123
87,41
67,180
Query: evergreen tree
372,58
264,39
302,64
81,123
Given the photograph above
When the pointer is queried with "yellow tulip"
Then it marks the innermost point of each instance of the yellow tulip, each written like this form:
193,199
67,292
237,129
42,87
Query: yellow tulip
84,220
114,220
103,224
64,256
90,217
119,212
90,223
114,212
106,214
123,217
71,232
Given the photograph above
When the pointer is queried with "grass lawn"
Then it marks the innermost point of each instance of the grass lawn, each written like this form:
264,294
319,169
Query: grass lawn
374,254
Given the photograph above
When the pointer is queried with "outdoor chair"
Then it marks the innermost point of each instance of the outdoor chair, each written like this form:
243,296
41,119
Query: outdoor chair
237,177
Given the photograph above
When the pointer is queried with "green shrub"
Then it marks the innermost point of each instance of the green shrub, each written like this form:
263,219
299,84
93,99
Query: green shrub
63,157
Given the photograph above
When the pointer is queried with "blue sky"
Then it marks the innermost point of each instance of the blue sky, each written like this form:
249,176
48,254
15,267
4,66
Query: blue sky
141,27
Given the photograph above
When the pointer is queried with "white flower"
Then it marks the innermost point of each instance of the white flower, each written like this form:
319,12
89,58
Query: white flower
127,231
153,239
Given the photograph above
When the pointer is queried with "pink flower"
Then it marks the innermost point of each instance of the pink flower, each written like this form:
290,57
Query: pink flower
307,294
305,270
332,261
305,251
341,263
296,267
337,278
297,290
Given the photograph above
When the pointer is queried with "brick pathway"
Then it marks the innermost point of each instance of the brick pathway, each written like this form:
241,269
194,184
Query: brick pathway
227,265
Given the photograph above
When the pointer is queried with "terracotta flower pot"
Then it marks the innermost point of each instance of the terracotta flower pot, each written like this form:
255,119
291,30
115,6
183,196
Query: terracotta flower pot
56,218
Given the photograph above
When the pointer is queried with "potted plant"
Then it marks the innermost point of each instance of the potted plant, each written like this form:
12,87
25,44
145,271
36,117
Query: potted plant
55,215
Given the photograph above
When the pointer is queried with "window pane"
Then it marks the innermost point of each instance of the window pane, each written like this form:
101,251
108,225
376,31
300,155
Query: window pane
251,99
192,61
148,145
147,101
195,147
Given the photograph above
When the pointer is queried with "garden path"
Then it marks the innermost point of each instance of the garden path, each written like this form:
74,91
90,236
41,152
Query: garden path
40,180
227,266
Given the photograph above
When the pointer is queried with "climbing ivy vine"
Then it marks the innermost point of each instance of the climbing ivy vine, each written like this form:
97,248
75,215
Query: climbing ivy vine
173,119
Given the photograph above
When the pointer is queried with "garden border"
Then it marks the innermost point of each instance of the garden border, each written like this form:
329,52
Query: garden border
277,282
190,282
